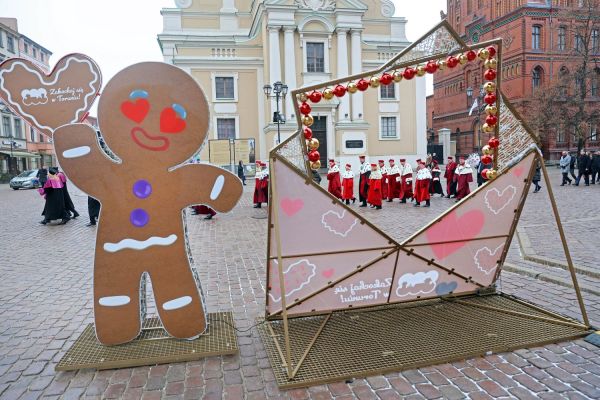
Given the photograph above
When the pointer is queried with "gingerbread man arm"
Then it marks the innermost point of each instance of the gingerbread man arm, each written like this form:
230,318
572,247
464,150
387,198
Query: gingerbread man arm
206,184
81,157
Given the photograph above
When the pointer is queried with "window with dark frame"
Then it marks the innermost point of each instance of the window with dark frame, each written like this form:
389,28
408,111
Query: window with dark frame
388,128
6,128
1,38
536,35
225,128
315,57
32,134
562,38
18,131
224,88
594,133
579,43
34,52
10,44
536,78
388,92
25,48
595,79
595,36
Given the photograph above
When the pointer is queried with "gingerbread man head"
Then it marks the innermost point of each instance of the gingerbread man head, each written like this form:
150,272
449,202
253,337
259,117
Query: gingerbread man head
155,113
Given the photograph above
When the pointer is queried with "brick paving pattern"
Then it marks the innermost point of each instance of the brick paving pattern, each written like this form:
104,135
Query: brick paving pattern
46,300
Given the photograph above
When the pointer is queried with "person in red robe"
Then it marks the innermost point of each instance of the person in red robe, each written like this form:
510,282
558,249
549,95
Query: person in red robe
363,181
463,176
204,210
264,185
449,175
348,185
333,176
375,197
406,173
384,179
259,193
422,185
393,182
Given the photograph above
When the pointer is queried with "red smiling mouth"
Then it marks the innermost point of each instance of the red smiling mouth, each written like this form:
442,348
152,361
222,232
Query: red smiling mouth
147,141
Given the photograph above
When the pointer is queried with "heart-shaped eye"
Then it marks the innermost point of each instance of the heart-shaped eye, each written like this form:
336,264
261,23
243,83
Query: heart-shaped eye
171,121
136,110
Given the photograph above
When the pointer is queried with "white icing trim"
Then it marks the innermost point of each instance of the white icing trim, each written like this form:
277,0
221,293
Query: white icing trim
140,244
114,301
77,152
217,187
177,303
43,82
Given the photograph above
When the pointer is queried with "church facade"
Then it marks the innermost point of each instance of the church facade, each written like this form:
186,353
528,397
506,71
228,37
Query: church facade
233,48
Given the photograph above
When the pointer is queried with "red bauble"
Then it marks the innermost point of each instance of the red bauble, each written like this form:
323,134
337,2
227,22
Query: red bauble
305,108
452,62
484,174
490,74
386,79
471,55
486,159
307,133
362,85
491,120
492,51
490,98
494,142
431,67
409,73
314,155
315,96
339,90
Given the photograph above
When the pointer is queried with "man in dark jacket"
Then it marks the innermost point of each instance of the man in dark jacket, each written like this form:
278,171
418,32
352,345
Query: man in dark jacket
42,176
584,165
596,167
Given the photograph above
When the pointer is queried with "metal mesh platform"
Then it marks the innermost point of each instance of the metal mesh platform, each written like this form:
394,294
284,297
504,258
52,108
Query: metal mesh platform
153,346
394,338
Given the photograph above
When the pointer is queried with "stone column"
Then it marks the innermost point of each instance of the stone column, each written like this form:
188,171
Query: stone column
274,64
342,71
357,98
444,140
290,70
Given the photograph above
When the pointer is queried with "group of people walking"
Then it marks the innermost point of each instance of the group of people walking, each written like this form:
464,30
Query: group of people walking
58,204
379,183
587,164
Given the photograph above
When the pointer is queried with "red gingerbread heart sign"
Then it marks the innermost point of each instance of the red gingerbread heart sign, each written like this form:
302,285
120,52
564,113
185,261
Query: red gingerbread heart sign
49,101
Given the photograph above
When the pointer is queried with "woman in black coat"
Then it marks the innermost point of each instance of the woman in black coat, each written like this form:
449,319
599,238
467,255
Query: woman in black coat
240,172
54,208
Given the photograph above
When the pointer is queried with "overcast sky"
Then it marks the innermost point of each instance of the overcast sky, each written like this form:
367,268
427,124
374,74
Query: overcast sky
117,33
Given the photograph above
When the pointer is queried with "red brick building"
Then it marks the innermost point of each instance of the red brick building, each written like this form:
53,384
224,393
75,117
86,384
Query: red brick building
536,50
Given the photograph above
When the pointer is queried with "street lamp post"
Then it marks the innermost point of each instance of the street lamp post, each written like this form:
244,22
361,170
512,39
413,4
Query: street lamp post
279,92
477,104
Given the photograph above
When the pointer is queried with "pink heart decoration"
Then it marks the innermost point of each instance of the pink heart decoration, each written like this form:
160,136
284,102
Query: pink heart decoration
496,200
486,259
328,273
291,206
452,227
295,277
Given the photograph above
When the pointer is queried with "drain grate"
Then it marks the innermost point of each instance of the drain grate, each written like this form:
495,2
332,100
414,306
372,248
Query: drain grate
399,337
153,346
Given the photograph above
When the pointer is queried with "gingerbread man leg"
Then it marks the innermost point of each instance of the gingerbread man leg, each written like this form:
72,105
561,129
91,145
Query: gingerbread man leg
176,295
116,299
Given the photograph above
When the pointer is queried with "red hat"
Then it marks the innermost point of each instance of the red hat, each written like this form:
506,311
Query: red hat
450,158
461,158
331,160
402,159
348,165
391,160
381,161
258,162
361,157
373,165
418,160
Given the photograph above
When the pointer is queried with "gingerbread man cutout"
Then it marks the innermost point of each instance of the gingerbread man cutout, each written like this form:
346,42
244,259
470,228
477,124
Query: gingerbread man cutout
154,117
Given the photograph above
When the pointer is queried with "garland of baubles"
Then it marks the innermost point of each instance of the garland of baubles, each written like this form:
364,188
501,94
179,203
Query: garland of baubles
486,54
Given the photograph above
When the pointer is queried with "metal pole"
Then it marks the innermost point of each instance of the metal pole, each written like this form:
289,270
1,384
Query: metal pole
10,165
278,118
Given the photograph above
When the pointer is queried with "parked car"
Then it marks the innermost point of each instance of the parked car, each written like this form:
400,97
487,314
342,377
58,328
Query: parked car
26,180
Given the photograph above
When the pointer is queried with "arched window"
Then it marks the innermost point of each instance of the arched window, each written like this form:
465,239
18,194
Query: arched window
563,79
536,77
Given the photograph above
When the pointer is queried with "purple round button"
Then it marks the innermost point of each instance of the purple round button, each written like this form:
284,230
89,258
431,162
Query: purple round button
142,189
139,217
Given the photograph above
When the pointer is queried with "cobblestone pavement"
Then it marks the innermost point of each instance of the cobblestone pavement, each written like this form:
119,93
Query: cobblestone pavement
46,300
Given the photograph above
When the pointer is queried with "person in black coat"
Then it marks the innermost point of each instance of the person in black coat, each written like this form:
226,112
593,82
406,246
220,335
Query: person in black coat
480,167
93,211
584,165
42,176
240,172
596,167
572,166
54,208
537,176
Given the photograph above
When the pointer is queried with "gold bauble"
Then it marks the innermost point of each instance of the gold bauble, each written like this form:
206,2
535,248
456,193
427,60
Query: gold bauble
491,110
328,94
492,174
483,54
302,97
313,144
487,128
462,59
397,76
374,82
491,63
421,70
315,165
308,120
486,149
352,88
441,65
489,87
